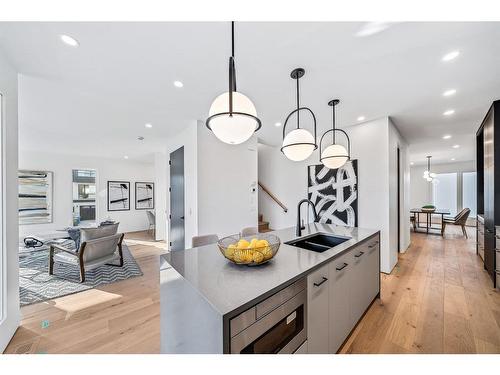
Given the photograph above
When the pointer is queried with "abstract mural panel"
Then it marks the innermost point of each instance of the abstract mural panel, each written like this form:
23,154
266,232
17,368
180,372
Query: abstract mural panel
334,192
35,197
118,195
144,196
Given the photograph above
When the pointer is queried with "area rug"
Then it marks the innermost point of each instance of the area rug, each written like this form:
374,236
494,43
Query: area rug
36,285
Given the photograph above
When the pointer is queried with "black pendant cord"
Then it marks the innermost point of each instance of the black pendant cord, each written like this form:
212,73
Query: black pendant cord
298,103
232,73
333,124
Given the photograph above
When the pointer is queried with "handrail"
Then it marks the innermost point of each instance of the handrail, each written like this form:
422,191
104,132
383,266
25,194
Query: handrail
273,197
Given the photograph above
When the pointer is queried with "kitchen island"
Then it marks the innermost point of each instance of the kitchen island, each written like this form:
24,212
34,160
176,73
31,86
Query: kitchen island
208,303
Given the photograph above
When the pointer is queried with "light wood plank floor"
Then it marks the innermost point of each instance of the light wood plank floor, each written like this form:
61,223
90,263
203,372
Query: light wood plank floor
122,317
438,299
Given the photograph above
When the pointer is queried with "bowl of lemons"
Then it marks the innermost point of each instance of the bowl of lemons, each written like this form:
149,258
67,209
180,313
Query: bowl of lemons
250,250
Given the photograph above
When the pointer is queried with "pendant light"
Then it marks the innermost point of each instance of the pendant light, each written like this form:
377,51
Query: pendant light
334,156
232,115
299,144
428,175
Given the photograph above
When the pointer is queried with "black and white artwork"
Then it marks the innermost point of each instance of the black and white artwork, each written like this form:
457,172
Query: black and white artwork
35,197
118,195
334,192
144,195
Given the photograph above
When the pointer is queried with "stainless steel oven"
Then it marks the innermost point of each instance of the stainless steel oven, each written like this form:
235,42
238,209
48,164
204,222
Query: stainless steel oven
276,325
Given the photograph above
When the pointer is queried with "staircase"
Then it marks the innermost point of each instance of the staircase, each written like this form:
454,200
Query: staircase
263,225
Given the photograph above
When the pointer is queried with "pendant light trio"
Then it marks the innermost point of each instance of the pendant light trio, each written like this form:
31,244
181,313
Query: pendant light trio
233,119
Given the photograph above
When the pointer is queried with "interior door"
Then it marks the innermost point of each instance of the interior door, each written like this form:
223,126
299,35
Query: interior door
177,200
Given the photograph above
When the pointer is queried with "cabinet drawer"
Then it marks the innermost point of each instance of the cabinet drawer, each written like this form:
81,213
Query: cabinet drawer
302,349
317,311
340,284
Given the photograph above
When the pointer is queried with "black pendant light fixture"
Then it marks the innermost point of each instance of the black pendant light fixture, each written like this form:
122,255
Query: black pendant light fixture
299,144
232,116
335,155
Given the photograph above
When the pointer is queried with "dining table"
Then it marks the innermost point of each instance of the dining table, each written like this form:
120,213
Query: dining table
428,221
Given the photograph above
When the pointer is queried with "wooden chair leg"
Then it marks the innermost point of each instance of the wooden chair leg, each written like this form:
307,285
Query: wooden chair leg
464,231
51,261
82,272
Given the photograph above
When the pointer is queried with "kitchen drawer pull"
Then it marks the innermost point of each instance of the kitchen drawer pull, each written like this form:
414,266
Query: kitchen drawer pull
341,267
372,246
321,282
360,254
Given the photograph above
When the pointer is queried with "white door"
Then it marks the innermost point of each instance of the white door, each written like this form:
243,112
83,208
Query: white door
9,274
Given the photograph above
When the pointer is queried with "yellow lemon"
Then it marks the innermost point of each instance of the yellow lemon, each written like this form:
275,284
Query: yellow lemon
253,243
238,256
258,257
268,253
262,243
243,244
229,252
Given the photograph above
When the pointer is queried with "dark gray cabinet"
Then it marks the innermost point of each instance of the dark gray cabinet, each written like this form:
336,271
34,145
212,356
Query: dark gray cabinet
488,177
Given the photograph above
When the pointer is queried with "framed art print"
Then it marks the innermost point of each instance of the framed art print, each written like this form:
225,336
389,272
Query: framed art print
144,195
118,195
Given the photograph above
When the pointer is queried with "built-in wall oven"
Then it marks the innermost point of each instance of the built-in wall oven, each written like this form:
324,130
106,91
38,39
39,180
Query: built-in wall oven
276,325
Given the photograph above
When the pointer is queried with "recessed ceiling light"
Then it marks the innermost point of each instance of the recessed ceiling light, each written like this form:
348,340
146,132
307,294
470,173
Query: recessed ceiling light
70,41
452,159
446,136
278,124
449,92
361,118
148,125
411,163
371,28
456,146
451,55
449,112
140,138
125,157
178,84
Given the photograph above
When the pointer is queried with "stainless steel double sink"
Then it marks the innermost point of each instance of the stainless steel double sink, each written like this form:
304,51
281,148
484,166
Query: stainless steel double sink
318,242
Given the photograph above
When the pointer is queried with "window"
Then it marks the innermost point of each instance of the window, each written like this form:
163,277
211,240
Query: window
445,192
469,192
84,197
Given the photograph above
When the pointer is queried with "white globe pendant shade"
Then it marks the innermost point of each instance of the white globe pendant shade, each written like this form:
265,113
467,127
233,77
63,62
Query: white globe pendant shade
237,128
298,145
334,156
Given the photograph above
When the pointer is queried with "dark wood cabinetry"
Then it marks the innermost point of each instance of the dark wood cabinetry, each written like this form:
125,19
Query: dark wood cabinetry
488,177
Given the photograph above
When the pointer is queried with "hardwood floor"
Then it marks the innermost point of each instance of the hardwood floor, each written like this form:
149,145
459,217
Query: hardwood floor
122,317
438,299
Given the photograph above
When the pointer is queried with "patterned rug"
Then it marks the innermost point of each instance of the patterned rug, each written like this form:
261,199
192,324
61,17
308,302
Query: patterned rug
36,285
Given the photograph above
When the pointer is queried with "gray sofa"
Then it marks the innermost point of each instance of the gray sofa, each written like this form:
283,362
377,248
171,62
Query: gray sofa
98,246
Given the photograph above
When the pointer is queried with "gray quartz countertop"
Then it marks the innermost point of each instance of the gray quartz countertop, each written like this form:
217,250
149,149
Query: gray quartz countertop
232,288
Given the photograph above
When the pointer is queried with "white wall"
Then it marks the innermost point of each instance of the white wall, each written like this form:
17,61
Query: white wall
107,170
161,195
421,190
287,180
397,141
227,184
374,144
9,273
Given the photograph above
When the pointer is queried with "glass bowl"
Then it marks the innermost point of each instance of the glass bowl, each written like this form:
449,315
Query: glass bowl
251,250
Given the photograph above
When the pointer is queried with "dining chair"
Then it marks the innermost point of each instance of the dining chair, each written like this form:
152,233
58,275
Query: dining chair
459,219
203,240
152,221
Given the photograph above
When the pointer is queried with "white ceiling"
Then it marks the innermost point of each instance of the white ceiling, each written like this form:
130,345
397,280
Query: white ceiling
97,97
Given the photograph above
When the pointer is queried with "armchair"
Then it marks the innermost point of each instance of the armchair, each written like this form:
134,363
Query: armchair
91,254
